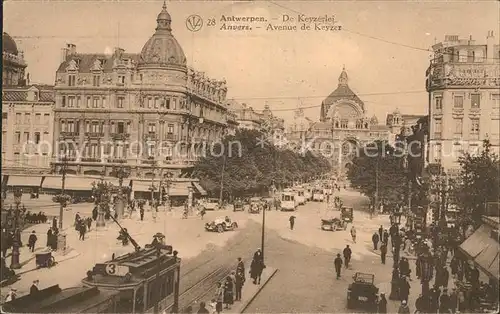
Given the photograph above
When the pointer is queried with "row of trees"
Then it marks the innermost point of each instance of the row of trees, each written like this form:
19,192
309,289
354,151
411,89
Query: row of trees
380,167
248,165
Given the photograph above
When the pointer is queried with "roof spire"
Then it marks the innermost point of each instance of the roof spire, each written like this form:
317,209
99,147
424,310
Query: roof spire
343,77
163,20
164,7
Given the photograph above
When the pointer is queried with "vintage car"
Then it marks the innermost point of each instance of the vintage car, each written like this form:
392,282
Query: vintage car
347,214
255,205
238,206
210,204
333,224
362,292
221,224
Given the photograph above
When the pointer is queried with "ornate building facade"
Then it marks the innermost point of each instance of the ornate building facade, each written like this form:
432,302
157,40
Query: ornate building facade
148,111
401,124
463,82
343,127
27,116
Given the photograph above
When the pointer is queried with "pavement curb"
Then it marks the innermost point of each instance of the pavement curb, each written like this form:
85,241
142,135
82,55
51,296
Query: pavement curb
247,303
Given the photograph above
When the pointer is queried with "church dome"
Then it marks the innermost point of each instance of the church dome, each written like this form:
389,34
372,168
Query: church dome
162,48
8,44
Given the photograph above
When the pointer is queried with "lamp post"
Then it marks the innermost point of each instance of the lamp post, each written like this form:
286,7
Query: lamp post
101,190
63,199
121,173
168,178
16,243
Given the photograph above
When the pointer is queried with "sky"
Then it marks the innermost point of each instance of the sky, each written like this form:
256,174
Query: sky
383,45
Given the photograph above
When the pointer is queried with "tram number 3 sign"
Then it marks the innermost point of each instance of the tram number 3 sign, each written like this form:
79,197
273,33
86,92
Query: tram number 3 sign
116,270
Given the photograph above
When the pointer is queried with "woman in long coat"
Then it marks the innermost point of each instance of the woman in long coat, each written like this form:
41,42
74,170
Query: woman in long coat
228,292
256,270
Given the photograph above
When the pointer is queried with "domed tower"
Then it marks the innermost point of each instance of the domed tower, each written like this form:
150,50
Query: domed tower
13,62
162,53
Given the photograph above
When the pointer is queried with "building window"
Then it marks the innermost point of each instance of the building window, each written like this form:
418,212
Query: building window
87,126
71,126
458,101
167,103
438,101
458,126
95,103
63,103
343,124
437,128
71,80
495,130
46,118
121,79
88,101
157,102
152,128
96,80
120,127
462,56
119,102
475,101
19,118
474,129
437,153
18,137
95,127
150,102
478,56
77,101
71,101
37,137
38,118
170,128
104,102
27,118
496,101
174,103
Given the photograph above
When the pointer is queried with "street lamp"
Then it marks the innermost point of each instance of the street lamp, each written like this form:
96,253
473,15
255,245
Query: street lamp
121,173
168,178
425,264
16,243
101,190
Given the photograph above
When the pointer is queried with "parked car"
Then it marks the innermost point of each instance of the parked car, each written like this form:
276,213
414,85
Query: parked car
347,214
238,206
221,224
362,292
255,205
210,204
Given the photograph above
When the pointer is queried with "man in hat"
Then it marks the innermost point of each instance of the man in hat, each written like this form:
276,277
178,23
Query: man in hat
382,303
32,241
338,265
34,287
403,308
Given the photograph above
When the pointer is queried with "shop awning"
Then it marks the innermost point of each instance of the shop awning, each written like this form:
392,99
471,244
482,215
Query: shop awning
179,188
483,250
143,186
200,189
71,183
24,181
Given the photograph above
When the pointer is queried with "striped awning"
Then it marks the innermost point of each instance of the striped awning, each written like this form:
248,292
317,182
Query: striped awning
200,189
33,181
143,186
179,189
71,183
483,250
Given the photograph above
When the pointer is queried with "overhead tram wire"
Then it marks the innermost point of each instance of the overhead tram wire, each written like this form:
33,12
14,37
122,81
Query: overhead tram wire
370,36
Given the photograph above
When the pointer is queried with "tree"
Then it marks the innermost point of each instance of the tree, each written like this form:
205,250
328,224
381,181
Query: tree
253,168
479,181
377,167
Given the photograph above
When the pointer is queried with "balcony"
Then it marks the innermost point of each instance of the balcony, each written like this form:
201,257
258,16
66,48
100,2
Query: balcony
120,136
69,134
443,75
94,134
118,160
170,136
151,137
91,159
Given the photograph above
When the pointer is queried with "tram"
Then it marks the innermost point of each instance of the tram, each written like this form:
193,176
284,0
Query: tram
288,201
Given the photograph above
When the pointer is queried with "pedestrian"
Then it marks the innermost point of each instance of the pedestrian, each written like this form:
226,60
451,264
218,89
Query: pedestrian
382,303
11,295
202,212
347,255
203,309
444,302
95,213
292,222
375,239
49,237
34,287
386,237
353,234
153,213
403,308
240,267
445,277
420,304
89,223
453,300
383,252
239,282
141,212
228,298
404,289
83,230
338,265
381,232
219,297
32,241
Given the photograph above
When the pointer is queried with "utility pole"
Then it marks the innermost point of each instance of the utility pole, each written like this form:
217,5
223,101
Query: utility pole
62,202
222,179
375,206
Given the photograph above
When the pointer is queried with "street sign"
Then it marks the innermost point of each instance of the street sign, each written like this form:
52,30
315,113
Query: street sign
113,269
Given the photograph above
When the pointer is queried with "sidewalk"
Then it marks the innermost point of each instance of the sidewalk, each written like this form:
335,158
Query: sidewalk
250,291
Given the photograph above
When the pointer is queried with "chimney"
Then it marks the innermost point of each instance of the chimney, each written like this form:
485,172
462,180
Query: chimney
64,54
490,45
71,49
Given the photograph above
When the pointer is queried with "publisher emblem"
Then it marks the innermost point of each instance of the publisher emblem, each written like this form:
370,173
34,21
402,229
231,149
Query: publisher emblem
194,23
